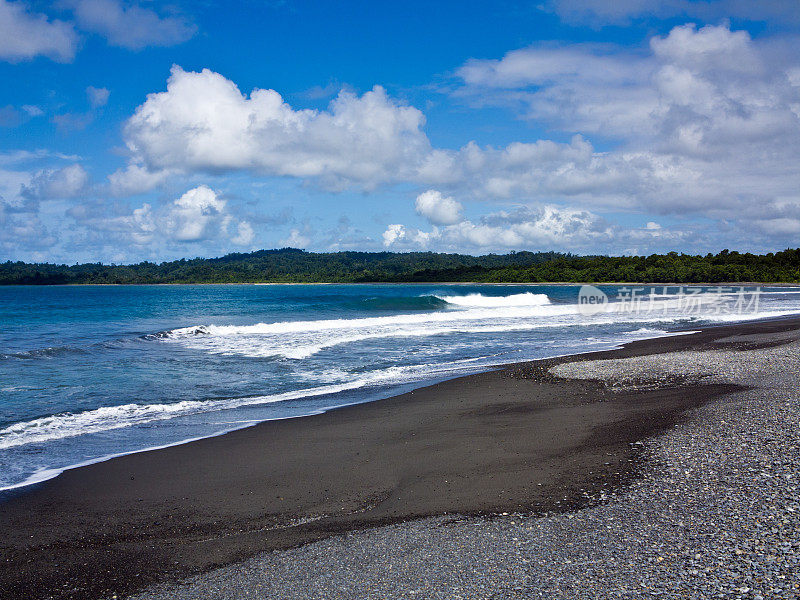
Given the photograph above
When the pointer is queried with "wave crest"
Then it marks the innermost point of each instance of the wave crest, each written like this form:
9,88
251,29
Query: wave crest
481,301
108,418
402,303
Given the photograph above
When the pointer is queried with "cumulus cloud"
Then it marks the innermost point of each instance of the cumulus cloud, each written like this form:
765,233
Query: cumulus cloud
244,235
66,182
195,215
120,227
204,123
24,35
394,233
24,184
296,239
701,121
11,201
583,87
707,121
136,179
25,230
20,220
438,209
542,169
130,25
531,228
200,214
522,228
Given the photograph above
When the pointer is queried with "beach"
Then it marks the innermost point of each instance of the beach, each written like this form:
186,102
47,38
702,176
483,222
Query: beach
528,439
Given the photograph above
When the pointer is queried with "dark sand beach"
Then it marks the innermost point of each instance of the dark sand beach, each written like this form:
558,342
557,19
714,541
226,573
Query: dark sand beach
515,439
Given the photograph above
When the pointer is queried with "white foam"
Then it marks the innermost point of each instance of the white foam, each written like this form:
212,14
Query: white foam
473,314
108,418
479,300
645,331
301,339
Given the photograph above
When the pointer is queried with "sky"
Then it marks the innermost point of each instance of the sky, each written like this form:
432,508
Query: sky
153,131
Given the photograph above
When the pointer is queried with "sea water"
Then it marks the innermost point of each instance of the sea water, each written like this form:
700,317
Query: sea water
89,372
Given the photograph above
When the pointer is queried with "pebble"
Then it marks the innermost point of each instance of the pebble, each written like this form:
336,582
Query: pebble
715,514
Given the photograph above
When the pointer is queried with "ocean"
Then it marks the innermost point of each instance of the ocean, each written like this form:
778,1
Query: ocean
90,372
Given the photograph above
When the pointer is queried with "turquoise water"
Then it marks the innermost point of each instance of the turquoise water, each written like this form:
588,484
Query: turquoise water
88,372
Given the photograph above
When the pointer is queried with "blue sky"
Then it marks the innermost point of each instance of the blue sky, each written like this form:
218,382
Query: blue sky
133,131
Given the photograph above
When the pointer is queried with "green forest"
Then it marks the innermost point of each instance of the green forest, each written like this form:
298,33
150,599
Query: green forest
289,265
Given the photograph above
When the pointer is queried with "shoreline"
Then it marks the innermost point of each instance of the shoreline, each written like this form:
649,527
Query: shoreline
45,475
217,500
712,512
48,474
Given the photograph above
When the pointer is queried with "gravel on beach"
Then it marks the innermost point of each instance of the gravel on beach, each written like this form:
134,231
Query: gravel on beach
715,513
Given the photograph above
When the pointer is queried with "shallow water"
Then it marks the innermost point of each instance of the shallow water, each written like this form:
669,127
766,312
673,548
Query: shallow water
91,371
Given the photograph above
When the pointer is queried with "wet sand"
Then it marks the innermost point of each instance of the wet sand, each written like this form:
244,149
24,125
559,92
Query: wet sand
515,439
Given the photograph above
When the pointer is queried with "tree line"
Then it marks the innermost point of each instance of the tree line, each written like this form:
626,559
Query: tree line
289,265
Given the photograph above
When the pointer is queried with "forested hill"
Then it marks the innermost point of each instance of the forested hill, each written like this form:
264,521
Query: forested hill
291,265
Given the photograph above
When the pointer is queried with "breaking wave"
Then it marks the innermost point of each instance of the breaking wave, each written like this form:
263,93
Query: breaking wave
479,300
108,418
465,314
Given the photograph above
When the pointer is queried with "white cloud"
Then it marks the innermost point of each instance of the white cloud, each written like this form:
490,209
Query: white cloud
137,227
130,25
97,96
193,216
543,169
66,182
24,35
23,193
779,226
24,230
296,239
586,88
11,183
199,215
700,122
532,228
204,123
135,179
393,234
707,122
438,209
548,64
20,221
244,234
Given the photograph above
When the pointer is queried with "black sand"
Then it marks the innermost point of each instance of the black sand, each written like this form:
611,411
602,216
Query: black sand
508,440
